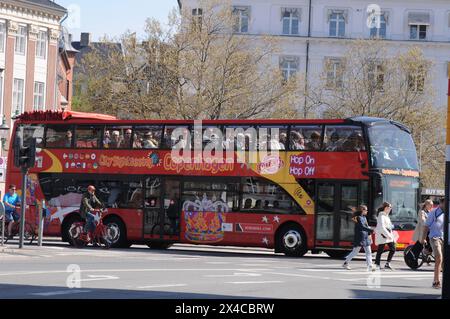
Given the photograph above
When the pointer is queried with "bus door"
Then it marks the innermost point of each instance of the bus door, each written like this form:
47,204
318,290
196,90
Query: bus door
335,204
162,207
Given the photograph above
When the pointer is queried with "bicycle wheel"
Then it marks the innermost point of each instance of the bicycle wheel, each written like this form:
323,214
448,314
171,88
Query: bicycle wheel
105,235
30,233
76,236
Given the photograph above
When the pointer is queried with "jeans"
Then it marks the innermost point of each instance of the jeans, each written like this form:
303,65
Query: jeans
380,251
355,252
90,223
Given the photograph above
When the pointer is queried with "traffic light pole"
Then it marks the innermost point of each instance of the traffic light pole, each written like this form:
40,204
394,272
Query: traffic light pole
23,206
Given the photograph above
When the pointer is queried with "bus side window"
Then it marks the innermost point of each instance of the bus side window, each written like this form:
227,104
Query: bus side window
59,136
88,136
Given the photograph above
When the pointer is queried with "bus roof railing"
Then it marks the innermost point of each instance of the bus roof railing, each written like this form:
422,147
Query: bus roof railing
62,116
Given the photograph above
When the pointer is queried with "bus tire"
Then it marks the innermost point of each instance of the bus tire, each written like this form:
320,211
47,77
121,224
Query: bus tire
159,246
65,227
338,254
291,240
120,238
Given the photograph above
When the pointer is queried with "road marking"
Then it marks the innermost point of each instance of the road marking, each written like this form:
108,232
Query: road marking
234,275
254,282
218,262
59,293
97,278
162,286
128,270
298,275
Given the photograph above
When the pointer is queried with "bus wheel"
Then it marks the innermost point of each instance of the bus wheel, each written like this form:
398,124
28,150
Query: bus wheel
117,232
291,240
159,246
337,254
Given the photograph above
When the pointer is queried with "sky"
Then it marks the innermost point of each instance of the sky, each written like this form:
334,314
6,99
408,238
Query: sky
113,17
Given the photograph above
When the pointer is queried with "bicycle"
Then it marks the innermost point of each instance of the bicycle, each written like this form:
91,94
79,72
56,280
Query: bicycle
415,261
100,237
30,232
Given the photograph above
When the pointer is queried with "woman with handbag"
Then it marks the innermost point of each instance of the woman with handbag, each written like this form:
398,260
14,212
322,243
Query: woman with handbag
362,238
384,234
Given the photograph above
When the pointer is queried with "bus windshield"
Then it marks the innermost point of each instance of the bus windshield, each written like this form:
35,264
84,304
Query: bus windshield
401,192
392,147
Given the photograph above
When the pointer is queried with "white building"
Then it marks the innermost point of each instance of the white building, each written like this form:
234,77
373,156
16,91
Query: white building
312,31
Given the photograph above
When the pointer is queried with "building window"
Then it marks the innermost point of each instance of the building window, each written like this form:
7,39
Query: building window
21,40
1,92
291,18
18,92
337,19
2,36
376,76
39,91
335,73
241,19
289,66
418,25
380,32
197,17
41,45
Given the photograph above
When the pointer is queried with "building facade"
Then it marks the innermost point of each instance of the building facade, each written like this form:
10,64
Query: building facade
312,32
30,31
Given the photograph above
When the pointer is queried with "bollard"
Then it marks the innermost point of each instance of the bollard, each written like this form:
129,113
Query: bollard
41,223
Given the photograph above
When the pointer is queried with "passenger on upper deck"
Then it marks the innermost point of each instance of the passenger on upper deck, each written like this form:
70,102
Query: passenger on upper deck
116,140
314,143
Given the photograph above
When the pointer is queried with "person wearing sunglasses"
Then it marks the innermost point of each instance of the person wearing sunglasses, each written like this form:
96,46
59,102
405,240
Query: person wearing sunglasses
11,201
384,235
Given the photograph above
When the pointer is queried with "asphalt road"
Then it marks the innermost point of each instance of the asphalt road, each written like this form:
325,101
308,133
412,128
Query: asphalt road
198,272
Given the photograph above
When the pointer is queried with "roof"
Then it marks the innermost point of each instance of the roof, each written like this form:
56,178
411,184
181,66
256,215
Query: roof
103,48
66,115
44,4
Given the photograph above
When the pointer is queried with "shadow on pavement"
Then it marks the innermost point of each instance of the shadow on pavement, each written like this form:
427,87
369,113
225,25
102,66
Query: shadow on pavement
386,294
8,291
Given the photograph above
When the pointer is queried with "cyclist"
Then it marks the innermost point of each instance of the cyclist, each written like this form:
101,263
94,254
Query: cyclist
11,201
89,202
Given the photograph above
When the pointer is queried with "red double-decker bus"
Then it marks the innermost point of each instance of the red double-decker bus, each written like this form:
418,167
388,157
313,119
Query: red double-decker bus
297,198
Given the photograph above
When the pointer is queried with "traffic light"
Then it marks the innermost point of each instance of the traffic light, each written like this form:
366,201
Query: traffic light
24,153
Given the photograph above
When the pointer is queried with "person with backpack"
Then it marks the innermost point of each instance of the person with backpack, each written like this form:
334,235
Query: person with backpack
435,225
362,238
384,235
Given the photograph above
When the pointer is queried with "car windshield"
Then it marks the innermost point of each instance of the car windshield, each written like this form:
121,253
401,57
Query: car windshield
392,147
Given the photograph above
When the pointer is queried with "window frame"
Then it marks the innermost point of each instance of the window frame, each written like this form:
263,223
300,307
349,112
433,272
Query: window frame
38,96
71,128
337,66
292,17
418,31
20,47
2,36
41,44
18,96
377,33
337,20
240,13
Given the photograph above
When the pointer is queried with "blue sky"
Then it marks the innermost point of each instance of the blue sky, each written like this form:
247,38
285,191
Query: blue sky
113,17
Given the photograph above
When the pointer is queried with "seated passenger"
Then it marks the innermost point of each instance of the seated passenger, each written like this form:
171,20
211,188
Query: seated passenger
283,141
136,141
335,144
126,142
148,142
314,143
68,139
248,203
106,139
297,141
354,143
116,140
258,204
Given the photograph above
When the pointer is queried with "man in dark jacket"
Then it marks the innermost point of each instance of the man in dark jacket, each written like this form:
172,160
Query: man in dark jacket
89,202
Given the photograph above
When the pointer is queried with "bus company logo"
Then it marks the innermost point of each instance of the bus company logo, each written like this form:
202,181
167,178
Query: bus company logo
93,157
270,165
95,165
65,156
70,156
76,156
72,165
400,172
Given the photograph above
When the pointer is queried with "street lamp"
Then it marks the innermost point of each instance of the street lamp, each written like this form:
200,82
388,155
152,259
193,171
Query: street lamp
4,132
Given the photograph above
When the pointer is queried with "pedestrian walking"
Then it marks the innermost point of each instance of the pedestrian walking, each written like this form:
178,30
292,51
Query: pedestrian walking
421,219
384,235
362,238
435,225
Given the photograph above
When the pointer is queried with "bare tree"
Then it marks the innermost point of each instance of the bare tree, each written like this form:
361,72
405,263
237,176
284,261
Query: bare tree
197,68
364,82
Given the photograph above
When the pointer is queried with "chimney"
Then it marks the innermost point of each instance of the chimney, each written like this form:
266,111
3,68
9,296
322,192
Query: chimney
85,40
70,38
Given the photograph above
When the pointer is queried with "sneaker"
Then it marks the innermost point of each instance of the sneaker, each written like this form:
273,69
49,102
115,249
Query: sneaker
436,285
346,266
388,267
